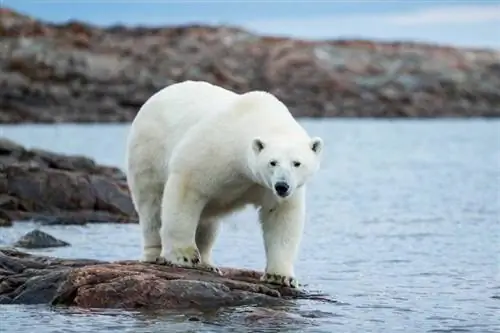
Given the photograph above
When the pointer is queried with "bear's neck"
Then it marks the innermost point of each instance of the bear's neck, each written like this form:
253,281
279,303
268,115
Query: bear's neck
248,169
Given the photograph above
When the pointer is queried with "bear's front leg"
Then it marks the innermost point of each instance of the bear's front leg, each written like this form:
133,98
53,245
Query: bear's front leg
181,209
282,228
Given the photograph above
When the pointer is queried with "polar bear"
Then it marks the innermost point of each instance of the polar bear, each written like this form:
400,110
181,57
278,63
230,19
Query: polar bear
197,152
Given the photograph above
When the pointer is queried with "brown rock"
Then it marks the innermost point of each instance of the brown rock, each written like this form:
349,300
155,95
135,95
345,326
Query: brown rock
75,72
60,189
30,279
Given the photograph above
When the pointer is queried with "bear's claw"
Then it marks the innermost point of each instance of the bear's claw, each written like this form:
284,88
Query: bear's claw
163,261
281,280
210,268
195,263
187,257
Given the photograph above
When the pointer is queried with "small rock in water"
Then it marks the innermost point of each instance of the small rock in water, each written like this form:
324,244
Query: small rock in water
37,239
272,316
5,222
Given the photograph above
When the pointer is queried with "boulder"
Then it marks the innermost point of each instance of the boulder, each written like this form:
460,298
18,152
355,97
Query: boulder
37,239
56,188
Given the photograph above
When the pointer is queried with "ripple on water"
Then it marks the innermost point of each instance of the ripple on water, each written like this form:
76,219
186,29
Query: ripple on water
402,229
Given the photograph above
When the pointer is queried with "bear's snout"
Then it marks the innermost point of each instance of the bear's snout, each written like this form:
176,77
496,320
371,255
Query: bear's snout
281,189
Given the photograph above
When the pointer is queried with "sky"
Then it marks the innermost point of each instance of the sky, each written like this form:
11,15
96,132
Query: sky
456,23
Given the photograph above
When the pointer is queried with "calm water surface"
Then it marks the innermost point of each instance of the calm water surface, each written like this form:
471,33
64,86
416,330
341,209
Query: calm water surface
403,230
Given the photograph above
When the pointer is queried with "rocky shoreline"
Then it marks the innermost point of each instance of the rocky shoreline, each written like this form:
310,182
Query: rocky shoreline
76,72
60,189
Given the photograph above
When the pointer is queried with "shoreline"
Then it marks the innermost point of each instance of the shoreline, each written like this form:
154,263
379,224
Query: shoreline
304,119
81,73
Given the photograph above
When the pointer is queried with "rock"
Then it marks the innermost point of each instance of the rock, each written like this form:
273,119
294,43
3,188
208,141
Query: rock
55,188
7,146
76,72
38,239
5,222
30,279
271,316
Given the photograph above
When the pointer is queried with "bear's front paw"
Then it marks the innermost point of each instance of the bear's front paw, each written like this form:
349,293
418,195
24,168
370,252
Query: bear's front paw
185,257
210,268
287,281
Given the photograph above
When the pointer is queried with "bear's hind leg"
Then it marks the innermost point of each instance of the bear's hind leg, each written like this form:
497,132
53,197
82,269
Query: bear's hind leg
151,241
206,233
180,214
147,201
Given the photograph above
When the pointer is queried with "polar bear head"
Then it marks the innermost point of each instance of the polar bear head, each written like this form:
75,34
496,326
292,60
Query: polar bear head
284,166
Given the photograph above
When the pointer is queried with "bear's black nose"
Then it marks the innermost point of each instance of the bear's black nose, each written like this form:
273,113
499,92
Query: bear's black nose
281,188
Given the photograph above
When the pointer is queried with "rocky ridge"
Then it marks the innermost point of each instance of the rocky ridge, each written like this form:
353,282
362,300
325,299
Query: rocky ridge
76,72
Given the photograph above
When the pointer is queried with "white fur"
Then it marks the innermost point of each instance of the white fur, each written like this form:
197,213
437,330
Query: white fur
197,152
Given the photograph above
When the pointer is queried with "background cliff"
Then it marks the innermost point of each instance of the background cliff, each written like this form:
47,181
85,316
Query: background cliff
81,73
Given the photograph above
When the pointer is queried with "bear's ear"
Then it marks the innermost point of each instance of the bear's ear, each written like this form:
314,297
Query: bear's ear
316,144
257,145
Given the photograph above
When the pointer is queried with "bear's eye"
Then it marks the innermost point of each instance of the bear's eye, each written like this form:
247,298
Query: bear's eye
296,164
273,163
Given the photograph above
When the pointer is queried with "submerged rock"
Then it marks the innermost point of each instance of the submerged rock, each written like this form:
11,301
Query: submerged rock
30,279
54,188
38,239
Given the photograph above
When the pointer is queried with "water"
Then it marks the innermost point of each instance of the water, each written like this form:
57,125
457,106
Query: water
402,230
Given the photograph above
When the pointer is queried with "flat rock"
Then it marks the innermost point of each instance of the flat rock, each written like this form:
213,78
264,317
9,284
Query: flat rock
53,188
30,279
37,239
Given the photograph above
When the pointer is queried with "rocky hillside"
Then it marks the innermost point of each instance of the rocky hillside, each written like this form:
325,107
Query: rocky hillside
81,73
